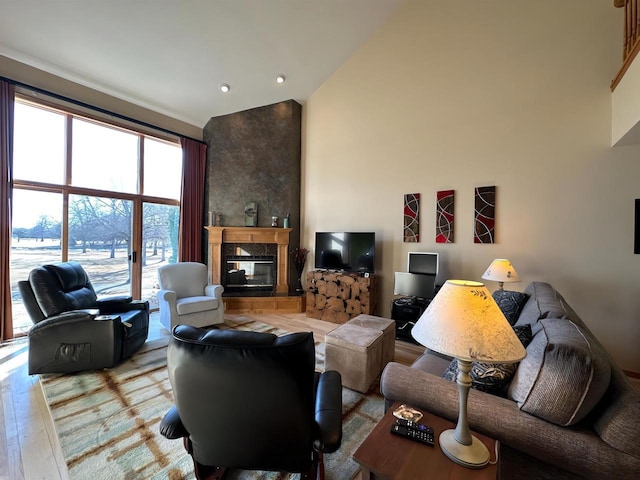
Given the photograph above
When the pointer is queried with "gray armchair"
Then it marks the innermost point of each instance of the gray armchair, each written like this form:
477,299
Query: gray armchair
187,298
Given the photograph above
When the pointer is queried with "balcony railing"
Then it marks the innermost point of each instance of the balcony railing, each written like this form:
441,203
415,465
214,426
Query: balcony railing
631,40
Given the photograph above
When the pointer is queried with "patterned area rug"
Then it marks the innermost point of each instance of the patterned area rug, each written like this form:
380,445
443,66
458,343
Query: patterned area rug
108,421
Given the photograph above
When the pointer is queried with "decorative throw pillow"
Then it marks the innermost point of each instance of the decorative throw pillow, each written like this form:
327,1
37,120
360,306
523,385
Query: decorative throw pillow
492,378
511,303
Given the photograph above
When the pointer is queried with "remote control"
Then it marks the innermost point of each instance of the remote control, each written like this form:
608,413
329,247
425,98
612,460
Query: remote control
413,434
414,425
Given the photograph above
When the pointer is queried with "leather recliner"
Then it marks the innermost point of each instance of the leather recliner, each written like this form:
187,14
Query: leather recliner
74,330
251,401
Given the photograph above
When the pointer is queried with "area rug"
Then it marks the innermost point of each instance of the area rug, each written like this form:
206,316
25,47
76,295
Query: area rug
107,422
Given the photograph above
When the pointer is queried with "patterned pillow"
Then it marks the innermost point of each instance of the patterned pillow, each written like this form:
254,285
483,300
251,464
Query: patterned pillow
492,378
511,303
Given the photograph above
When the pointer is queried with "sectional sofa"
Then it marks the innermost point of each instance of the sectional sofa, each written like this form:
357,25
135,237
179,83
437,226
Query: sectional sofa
568,411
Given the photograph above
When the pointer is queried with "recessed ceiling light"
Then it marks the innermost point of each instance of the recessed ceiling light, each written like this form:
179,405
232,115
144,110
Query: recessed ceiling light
224,88
280,79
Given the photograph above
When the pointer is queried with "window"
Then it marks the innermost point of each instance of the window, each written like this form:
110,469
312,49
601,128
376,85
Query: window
80,187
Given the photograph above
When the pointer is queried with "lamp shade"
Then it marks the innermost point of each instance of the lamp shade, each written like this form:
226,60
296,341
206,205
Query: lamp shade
501,270
464,321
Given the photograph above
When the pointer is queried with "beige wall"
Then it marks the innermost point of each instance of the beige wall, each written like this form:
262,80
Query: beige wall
454,95
34,77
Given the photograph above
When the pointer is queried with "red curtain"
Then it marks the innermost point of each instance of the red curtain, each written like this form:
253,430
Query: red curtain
6,192
194,159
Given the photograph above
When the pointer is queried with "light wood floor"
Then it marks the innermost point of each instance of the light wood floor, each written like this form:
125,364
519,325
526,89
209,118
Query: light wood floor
29,448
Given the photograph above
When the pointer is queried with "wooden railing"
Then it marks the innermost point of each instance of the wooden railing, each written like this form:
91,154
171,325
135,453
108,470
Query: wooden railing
631,40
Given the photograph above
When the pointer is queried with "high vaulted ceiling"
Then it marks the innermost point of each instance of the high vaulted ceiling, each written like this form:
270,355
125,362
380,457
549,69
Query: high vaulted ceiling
172,55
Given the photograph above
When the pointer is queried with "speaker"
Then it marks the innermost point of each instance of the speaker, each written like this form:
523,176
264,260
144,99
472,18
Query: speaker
636,242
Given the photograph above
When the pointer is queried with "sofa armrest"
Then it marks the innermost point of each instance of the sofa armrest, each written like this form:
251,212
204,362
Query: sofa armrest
329,412
577,449
214,291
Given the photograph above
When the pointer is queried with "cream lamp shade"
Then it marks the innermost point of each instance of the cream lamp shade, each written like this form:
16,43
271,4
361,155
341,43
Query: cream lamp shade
464,321
501,271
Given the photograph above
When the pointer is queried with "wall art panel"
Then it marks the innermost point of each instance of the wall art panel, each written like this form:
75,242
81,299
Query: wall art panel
484,215
444,216
412,217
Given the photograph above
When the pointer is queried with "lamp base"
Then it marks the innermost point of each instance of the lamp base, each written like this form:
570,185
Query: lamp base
475,455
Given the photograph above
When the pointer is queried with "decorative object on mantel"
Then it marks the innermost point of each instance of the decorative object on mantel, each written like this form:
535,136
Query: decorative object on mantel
274,221
412,218
444,216
484,215
251,214
210,222
218,219
299,255
285,222
501,271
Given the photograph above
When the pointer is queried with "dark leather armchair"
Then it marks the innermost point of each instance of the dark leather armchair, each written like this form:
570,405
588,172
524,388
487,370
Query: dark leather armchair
251,401
73,329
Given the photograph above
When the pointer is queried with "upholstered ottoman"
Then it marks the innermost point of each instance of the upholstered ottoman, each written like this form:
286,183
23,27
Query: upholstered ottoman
388,329
355,352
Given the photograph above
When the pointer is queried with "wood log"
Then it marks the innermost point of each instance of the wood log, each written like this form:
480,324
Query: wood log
353,307
311,300
346,279
314,313
335,304
342,317
331,289
344,291
321,287
329,316
321,301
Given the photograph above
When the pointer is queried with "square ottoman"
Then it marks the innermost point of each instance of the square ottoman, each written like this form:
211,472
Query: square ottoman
388,329
355,352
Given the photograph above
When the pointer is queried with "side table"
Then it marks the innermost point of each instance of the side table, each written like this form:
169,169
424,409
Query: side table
385,456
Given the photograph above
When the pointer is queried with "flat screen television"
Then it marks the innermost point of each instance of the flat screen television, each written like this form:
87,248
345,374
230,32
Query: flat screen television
426,263
347,251
422,286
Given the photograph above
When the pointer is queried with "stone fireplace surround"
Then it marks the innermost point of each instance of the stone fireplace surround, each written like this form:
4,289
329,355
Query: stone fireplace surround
255,156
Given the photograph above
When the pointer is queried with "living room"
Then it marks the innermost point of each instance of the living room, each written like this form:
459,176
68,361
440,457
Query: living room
456,96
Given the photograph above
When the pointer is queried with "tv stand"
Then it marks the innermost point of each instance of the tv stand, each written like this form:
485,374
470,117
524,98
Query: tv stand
406,311
337,296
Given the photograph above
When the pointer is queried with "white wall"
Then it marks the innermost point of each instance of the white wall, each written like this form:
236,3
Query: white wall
625,108
454,95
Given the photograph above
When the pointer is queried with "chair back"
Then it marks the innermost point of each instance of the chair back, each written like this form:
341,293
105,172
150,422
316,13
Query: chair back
246,398
187,279
61,287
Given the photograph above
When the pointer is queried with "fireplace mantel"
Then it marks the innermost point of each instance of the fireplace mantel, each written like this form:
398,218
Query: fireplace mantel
220,235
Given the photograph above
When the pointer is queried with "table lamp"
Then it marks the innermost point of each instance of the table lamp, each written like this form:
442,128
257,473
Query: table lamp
501,271
463,321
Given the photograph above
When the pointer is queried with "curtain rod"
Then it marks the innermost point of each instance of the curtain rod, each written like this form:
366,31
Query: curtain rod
98,109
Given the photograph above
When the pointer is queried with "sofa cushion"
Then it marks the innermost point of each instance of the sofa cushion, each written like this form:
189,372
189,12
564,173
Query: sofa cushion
510,303
563,376
491,377
544,302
